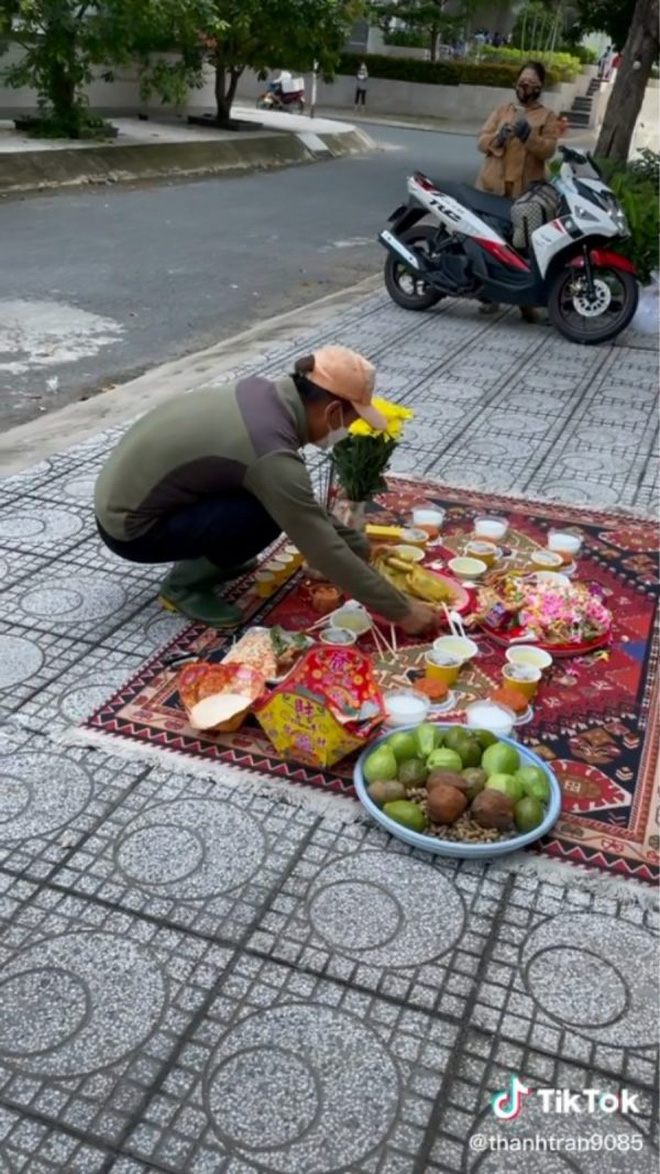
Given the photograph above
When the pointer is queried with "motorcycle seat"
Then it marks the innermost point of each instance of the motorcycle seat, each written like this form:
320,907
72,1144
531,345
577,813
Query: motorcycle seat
483,203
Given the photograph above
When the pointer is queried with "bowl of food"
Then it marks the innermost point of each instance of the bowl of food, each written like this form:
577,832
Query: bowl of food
457,792
467,568
409,554
337,637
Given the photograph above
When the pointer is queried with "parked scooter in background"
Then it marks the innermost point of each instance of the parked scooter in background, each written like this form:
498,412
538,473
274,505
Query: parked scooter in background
466,251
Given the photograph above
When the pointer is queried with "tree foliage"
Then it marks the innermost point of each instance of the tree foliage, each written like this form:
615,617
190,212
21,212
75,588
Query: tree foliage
426,17
612,17
233,35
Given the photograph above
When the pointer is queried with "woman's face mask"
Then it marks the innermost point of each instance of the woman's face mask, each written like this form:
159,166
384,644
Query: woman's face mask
334,435
527,90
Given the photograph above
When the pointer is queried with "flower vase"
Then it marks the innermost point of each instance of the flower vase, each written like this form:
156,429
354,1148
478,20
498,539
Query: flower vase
350,513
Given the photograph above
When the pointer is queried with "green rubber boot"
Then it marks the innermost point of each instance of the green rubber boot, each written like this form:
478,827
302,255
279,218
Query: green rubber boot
189,589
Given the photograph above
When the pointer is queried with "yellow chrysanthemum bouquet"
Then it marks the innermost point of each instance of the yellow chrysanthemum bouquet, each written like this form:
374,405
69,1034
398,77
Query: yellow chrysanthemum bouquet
361,460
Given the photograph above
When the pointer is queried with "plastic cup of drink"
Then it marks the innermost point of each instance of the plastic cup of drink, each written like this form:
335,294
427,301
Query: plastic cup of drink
522,677
292,553
565,543
460,647
546,560
486,552
265,583
491,529
281,568
428,519
528,654
442,666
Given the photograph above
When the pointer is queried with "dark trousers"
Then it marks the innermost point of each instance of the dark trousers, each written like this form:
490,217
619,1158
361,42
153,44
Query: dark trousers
227,530
360,96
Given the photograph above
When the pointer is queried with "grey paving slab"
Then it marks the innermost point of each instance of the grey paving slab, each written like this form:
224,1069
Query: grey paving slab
148,630
15,568
79,689
293,1073
192,853
31,661
86,602
32,1147
38,528
51,797
94,1004
584,1143
360,908
575,977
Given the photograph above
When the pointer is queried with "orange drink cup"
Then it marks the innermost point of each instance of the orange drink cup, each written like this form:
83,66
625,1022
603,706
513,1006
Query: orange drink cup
265,583
485,551
546,560
428,519
442,666
522,677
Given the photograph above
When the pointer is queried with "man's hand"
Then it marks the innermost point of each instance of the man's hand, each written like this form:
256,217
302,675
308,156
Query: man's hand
421,618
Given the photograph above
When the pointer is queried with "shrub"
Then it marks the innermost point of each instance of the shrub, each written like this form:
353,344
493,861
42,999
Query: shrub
565,66
407,39
637,186
436,73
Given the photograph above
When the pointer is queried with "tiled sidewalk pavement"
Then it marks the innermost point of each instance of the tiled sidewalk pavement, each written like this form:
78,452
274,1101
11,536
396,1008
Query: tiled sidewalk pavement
194,979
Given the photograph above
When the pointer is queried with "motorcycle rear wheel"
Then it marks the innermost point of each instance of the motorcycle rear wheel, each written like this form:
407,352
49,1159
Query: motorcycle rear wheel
582,320
416,294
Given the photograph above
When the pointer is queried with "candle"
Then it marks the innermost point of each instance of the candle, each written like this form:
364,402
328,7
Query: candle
493,529
429,520
564,543
406,708
486,715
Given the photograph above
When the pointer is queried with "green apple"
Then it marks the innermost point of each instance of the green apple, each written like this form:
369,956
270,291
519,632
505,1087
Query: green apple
408,814
444,759
500,758
506,783
528,814
381,764
534,782
403,745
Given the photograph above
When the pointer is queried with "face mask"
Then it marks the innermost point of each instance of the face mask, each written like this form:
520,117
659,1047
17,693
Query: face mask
333,437
525,96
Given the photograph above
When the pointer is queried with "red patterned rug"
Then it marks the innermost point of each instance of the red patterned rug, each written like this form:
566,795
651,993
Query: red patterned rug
595,719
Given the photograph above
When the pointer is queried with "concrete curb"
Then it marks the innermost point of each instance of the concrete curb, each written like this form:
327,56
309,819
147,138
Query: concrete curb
28,443
23,171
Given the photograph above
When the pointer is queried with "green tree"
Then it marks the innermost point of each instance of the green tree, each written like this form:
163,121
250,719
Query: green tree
64,42
640,53
613,17
427,17
234,35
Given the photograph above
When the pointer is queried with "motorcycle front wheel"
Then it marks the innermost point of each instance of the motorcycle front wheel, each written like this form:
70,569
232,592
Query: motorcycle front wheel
404,287
597,318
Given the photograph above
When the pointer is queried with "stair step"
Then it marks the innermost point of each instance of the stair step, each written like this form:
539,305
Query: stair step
578,119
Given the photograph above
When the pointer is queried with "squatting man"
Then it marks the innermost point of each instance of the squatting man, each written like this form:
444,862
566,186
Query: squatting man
210,479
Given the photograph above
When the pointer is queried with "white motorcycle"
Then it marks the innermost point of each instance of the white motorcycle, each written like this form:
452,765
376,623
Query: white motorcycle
590,291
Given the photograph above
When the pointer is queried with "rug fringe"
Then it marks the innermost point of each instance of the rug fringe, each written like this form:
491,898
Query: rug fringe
570,875
337,809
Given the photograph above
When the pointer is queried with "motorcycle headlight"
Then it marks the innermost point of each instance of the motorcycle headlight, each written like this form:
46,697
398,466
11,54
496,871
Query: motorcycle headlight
619,218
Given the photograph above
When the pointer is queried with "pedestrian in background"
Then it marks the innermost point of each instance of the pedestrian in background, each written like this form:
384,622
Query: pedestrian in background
361,80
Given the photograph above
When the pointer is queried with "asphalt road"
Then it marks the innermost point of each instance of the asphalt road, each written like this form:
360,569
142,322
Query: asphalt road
99,285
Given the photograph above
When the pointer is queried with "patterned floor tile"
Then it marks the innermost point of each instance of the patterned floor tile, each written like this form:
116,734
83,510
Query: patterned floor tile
31,662
470,1138
79,690
28,1146
51,798
89,604
149,630
291,1073
560,980
93,1005
360,908
192,853
41,529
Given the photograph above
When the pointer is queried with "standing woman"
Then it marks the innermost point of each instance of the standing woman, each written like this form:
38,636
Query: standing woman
361,79
517,140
